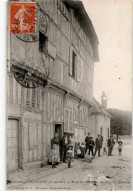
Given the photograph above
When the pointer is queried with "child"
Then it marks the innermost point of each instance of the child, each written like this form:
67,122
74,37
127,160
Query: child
53,154
82,149
120,147
75,150
78,151
69,155
104,148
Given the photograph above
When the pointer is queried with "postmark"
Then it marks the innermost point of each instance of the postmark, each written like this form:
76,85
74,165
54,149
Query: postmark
26,21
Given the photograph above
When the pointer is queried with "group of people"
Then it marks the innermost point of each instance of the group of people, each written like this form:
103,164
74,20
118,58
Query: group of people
64,150
99,144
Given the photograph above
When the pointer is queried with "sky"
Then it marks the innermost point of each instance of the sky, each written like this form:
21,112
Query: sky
112,20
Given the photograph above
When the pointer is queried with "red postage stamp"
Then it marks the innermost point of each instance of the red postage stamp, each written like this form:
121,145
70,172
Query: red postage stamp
23,18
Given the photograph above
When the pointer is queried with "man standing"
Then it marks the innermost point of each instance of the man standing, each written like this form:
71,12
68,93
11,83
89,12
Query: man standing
110,145
87,139
98,145
91,145
64,144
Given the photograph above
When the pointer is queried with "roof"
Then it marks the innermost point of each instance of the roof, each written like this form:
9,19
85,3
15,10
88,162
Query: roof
86,24
98,109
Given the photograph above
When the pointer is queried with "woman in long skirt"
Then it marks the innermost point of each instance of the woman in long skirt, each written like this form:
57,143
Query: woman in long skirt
55,142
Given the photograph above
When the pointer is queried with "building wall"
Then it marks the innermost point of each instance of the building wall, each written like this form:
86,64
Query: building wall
96,122
64,36
104,122
92,127
38,110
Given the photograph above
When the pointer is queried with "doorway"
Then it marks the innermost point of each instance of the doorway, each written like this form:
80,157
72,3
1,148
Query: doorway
13,145
59,130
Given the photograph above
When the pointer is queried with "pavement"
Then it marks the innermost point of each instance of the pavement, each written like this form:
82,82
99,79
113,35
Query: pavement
104,173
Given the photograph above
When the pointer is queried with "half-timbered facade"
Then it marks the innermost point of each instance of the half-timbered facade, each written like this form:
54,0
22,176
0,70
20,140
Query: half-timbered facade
58,63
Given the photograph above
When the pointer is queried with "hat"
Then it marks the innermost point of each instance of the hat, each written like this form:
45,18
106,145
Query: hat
120,142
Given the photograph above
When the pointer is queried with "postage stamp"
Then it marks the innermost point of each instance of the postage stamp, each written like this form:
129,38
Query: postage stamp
22,18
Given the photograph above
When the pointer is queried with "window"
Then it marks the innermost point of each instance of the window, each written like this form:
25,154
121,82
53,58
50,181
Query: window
43,43
74,64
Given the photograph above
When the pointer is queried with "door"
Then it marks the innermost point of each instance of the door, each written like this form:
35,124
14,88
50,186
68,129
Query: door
12,145
59,130
32,137
34,132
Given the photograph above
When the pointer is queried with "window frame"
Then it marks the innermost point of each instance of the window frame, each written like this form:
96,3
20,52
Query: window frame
74,56
44,43
73,51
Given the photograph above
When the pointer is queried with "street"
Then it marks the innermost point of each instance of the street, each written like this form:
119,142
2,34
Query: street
104,173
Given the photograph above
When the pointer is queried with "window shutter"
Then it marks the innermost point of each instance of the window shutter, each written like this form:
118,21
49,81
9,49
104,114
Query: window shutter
70,64
79,69
51,50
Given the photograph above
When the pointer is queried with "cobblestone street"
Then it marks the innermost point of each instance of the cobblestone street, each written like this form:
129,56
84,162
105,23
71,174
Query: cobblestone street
105,173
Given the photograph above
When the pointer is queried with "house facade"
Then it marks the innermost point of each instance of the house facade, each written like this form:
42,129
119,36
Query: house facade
50,81
99,120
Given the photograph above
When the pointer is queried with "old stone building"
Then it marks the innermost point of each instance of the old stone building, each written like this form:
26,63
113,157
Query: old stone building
50,81
99,119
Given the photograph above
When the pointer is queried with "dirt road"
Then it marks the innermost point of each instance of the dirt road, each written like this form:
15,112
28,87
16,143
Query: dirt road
104,173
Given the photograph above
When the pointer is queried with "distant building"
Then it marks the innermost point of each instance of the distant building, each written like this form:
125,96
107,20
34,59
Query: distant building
99,119
54,87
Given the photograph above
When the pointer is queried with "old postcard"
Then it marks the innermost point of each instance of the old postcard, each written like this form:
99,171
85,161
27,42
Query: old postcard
69,100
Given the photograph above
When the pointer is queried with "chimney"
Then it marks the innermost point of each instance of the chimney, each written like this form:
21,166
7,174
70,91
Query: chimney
104,100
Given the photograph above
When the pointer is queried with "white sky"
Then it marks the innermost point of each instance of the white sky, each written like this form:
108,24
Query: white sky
112,20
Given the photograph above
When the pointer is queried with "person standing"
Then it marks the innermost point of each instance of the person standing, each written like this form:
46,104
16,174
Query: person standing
55,142
69,155
69,139
54,156
72,141
64,144
91,145
87,139
82,149
110,145
120,147
98,145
